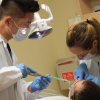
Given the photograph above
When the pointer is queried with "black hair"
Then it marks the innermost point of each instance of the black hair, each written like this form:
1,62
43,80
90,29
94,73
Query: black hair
18,8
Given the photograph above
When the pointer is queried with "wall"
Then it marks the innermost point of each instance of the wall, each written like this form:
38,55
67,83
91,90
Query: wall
42,54
95,3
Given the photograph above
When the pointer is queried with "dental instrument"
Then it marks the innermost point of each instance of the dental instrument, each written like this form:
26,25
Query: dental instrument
34,74
59,79
37,74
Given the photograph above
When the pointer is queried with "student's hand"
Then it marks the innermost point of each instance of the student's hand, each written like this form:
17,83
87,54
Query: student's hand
24,70
81,71
40,83
94,79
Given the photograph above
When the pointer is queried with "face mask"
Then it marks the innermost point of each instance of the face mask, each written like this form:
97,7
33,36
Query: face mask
21,34
89,56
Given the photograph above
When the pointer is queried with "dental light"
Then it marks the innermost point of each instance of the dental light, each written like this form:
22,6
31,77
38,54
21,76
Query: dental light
39,27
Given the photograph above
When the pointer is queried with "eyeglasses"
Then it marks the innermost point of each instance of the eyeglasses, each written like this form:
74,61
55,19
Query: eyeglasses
71,89
83,55
27,21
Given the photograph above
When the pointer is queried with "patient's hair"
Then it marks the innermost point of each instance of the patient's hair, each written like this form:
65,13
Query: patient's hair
17,8
90,91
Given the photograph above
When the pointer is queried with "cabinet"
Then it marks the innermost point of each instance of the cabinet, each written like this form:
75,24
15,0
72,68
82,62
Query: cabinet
87,9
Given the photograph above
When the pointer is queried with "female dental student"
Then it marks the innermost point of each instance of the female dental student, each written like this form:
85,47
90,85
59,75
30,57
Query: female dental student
83,40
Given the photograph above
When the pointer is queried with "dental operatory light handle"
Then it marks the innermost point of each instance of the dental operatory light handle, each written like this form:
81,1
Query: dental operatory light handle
38,18
59,79
45,7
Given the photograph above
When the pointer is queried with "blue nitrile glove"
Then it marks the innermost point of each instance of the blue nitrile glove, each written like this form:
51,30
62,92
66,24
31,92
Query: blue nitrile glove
40,83
95,79
81,71
24,69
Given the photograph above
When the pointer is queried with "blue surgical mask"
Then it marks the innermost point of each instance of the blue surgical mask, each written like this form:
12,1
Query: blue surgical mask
21,34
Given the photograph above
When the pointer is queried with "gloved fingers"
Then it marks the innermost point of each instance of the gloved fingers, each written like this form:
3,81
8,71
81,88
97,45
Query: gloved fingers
45,80
38,78
41,81
25,71
39,86
48,75
75,72
81,76
31,70
83,64
48,79
94,79
76,77
36,87
90,77
86,75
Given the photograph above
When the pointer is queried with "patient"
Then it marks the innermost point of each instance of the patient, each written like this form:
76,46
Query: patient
80,90
84,90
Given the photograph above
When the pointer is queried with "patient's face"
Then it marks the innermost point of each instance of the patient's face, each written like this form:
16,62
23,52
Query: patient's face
76,86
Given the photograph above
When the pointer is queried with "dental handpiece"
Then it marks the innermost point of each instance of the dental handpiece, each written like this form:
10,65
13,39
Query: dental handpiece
34,74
